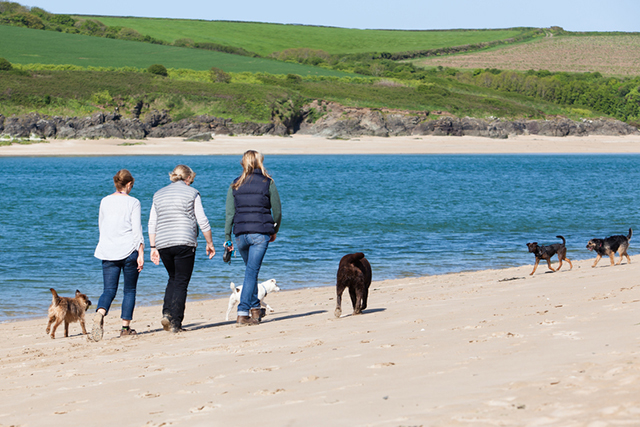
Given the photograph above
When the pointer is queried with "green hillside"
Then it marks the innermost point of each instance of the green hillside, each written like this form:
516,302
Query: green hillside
265,39
27,46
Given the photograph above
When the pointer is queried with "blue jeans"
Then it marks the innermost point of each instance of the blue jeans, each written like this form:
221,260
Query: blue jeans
111,275
252,248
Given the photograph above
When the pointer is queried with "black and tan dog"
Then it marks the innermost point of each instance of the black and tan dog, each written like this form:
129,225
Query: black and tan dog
546,252
68,310
354,272
610,246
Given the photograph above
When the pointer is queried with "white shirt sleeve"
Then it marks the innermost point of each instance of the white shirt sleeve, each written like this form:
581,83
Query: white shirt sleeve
153,220
136,225
202,219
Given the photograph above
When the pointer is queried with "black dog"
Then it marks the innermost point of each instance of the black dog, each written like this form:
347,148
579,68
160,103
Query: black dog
354,272
546,252
610,246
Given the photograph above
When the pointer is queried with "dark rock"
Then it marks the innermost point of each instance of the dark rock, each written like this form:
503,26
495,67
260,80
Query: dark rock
137,109
200,137
336,121
157,118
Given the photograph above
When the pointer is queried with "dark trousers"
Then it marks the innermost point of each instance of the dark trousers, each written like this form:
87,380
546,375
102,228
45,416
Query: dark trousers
178,260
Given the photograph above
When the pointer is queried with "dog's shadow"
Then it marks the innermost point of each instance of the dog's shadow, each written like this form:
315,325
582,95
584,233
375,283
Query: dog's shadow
202,325
271,318
366,311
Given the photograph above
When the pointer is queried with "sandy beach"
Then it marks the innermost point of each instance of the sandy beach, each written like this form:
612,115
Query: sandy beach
485,348
302,144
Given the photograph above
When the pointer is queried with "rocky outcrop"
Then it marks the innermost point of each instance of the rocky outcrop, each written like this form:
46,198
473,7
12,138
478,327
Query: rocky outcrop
336,121
345,122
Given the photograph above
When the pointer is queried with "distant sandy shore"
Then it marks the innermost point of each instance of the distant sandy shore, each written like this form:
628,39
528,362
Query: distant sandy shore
300,144
487,348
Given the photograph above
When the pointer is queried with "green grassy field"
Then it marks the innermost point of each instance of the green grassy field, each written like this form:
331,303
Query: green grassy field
265,39
81,92
26,46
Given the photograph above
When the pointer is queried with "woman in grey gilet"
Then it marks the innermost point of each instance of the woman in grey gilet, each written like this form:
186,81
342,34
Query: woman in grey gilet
175,216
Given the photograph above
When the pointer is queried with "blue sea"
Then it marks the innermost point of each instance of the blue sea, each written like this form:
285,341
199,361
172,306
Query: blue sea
412,215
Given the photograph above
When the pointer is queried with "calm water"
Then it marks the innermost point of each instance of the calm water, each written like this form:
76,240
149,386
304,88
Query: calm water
411,216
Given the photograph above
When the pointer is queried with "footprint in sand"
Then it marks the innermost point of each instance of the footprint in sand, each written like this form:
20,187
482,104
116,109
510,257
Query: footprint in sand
309,378
210,406
381,365
269,392
147,395
572,335
255,370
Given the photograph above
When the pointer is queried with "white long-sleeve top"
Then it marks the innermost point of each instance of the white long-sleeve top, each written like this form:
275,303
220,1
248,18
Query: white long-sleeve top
120,227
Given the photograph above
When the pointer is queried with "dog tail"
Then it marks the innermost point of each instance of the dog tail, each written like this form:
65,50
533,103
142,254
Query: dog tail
564,242
56,298
630,234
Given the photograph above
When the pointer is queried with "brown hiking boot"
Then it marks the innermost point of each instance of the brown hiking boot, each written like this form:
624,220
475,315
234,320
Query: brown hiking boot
246,321
257,314
128,332
166,322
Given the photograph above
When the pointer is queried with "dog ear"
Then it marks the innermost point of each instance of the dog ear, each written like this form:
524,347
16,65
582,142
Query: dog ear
78,292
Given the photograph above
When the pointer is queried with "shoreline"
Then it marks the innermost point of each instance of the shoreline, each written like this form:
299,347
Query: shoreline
489,347
312,145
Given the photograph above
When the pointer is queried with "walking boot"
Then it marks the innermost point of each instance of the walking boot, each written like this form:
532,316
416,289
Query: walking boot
246,321
257,314
166,322
97,330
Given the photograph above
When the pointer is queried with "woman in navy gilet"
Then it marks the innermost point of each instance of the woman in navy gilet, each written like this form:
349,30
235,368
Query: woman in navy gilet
254,213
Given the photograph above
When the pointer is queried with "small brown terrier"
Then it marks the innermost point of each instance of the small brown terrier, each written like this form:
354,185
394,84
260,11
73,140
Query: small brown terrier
68,309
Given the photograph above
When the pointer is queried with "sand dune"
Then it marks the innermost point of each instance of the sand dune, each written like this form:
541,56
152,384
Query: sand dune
487,348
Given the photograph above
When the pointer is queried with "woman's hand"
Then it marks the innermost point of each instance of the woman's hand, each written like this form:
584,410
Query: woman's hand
155,256
273,237
140,261
211,251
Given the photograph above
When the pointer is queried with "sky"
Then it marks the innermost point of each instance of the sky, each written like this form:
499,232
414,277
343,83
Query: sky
572,15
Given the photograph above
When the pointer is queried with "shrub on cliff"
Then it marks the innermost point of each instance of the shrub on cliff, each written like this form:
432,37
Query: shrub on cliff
5,65
22,20
158,69
219,76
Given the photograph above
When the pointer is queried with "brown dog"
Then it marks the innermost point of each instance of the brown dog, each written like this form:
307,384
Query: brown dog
67,309
354,272
546,252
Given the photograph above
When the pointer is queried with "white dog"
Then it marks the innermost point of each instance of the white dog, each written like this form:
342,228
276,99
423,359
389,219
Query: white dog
264,288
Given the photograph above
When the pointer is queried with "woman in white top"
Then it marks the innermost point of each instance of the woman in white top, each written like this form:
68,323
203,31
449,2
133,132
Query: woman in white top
121,248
